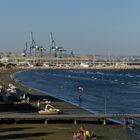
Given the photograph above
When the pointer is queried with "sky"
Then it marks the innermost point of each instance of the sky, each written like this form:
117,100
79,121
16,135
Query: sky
94,27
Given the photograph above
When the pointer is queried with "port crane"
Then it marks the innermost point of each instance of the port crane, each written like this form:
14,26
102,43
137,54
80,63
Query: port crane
41,50
54,47
61,50
35,47
72,54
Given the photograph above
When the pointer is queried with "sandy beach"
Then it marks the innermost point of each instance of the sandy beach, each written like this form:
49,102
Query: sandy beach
53,131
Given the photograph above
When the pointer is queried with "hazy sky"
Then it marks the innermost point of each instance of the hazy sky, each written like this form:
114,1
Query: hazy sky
84,26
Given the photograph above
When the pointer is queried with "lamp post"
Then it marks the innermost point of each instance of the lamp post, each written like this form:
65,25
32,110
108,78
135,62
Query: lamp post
105,105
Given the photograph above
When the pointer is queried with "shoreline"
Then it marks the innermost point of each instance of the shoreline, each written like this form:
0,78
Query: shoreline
37,94
68,108
130,67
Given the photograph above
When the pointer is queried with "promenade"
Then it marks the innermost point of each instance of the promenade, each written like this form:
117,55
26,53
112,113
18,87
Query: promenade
16,117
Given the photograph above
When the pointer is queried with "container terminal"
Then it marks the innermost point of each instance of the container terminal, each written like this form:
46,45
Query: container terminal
57,56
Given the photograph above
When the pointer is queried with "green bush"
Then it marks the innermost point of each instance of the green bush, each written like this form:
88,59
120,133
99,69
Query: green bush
2,65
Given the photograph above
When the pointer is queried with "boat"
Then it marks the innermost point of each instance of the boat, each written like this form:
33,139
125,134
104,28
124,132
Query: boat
85,65
11,88
49,110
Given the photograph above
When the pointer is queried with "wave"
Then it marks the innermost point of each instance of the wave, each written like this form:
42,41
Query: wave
129,75
138,76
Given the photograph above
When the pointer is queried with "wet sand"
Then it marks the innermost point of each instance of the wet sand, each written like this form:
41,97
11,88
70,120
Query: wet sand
56,130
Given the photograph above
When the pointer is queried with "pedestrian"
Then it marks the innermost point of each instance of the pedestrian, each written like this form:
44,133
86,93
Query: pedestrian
80,97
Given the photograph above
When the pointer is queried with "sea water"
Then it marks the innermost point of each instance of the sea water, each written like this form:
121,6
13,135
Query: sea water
104,91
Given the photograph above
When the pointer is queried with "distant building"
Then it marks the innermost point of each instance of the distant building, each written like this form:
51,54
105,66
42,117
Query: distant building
4,60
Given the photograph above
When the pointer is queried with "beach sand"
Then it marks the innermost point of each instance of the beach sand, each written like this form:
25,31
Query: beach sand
55,130
61,131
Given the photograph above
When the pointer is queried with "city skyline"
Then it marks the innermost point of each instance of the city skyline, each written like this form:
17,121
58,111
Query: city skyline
85,26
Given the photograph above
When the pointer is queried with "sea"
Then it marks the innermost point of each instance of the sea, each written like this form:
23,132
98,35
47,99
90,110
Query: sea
102,91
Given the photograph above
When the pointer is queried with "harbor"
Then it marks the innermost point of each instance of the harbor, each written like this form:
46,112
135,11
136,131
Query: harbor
54,56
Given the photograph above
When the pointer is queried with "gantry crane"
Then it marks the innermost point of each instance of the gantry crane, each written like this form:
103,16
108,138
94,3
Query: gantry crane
32,44
54,47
